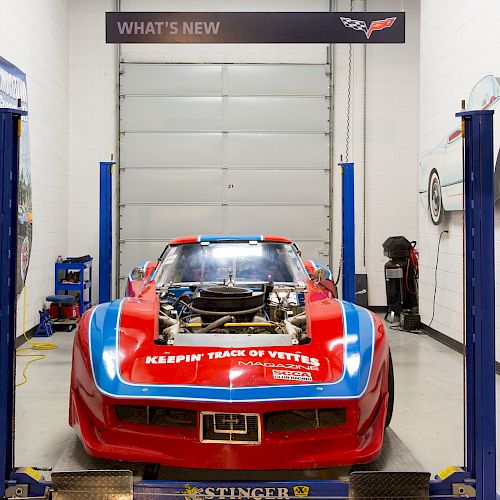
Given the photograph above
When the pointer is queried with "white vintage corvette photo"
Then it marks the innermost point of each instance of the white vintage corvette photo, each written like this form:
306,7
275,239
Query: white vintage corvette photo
441,178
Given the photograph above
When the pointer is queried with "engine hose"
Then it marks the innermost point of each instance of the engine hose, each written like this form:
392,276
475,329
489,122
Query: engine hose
168,321
218,322
226,313
299,320
179,299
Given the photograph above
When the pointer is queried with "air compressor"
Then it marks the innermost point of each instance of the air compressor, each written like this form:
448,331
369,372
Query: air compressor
401,281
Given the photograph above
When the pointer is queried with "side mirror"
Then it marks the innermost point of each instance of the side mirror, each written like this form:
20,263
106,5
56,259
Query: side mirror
317,271
319,275
137,274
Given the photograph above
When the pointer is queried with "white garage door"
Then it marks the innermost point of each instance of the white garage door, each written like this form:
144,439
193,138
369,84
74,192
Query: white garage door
223,149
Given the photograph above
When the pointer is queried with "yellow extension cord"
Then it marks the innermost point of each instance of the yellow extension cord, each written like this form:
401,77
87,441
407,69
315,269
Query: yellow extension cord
34,346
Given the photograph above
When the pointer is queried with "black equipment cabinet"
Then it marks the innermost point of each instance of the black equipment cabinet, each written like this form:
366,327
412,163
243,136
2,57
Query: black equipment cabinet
400,275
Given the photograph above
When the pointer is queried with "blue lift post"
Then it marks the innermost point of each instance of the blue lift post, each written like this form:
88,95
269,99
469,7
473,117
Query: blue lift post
105,230
348,248
477,128
10,132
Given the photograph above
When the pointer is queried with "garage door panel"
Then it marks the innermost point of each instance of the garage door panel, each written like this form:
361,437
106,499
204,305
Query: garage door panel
135,252
276,186
173,185
171,114
220,149
159,222
171,79
314,250
277,80
298,114
122,287
176,149
261,149
298,223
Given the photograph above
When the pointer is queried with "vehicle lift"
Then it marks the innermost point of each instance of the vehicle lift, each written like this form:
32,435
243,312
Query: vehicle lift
476,480
105,230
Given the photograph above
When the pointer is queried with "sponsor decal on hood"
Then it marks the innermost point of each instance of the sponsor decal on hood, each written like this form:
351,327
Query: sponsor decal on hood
292,375
167,358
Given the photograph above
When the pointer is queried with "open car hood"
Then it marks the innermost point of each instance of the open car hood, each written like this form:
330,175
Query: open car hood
336,363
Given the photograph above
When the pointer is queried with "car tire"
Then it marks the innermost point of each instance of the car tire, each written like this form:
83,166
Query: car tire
435,198
390,388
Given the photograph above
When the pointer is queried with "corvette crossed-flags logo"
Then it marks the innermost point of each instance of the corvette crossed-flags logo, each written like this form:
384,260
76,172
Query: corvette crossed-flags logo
358,25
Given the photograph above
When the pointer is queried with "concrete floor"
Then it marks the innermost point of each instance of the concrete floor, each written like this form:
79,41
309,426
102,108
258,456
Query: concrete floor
428,412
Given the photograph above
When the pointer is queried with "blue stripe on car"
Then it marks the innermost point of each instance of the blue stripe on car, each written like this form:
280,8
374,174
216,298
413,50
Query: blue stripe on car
239,237
359,340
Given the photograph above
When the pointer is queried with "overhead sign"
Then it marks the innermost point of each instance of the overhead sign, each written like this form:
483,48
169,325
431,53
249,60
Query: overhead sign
255,27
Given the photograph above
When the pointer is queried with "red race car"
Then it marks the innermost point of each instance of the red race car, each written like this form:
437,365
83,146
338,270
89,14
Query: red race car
228,354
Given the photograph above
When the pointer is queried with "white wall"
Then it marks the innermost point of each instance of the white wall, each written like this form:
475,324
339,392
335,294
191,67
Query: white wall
391,141
92,122
392,112
34,37
459,45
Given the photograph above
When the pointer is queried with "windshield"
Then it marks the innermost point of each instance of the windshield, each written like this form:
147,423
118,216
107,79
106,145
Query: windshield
244,262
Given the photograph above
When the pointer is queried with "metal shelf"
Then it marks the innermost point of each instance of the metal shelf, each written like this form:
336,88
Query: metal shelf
83,287
74,286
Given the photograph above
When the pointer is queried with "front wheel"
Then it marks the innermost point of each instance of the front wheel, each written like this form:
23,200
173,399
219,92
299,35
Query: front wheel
435,199
390,388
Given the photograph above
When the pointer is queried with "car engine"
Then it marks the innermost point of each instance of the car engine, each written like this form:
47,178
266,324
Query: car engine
227,315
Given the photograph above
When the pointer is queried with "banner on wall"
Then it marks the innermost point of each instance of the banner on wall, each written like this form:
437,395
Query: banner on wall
441,179
255,27
13,92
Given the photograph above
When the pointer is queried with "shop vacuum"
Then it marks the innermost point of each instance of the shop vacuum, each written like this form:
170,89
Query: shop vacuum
401,282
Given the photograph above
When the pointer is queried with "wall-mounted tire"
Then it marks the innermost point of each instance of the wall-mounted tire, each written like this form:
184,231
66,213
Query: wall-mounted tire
435,195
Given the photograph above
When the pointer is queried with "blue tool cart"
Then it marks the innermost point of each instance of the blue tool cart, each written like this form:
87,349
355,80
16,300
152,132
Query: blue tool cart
75,275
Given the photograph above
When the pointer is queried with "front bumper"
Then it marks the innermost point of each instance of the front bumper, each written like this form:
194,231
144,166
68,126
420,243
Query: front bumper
349,443
357,440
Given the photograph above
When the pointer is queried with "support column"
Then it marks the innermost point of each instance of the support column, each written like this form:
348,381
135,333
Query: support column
348,248
477,127
105,231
